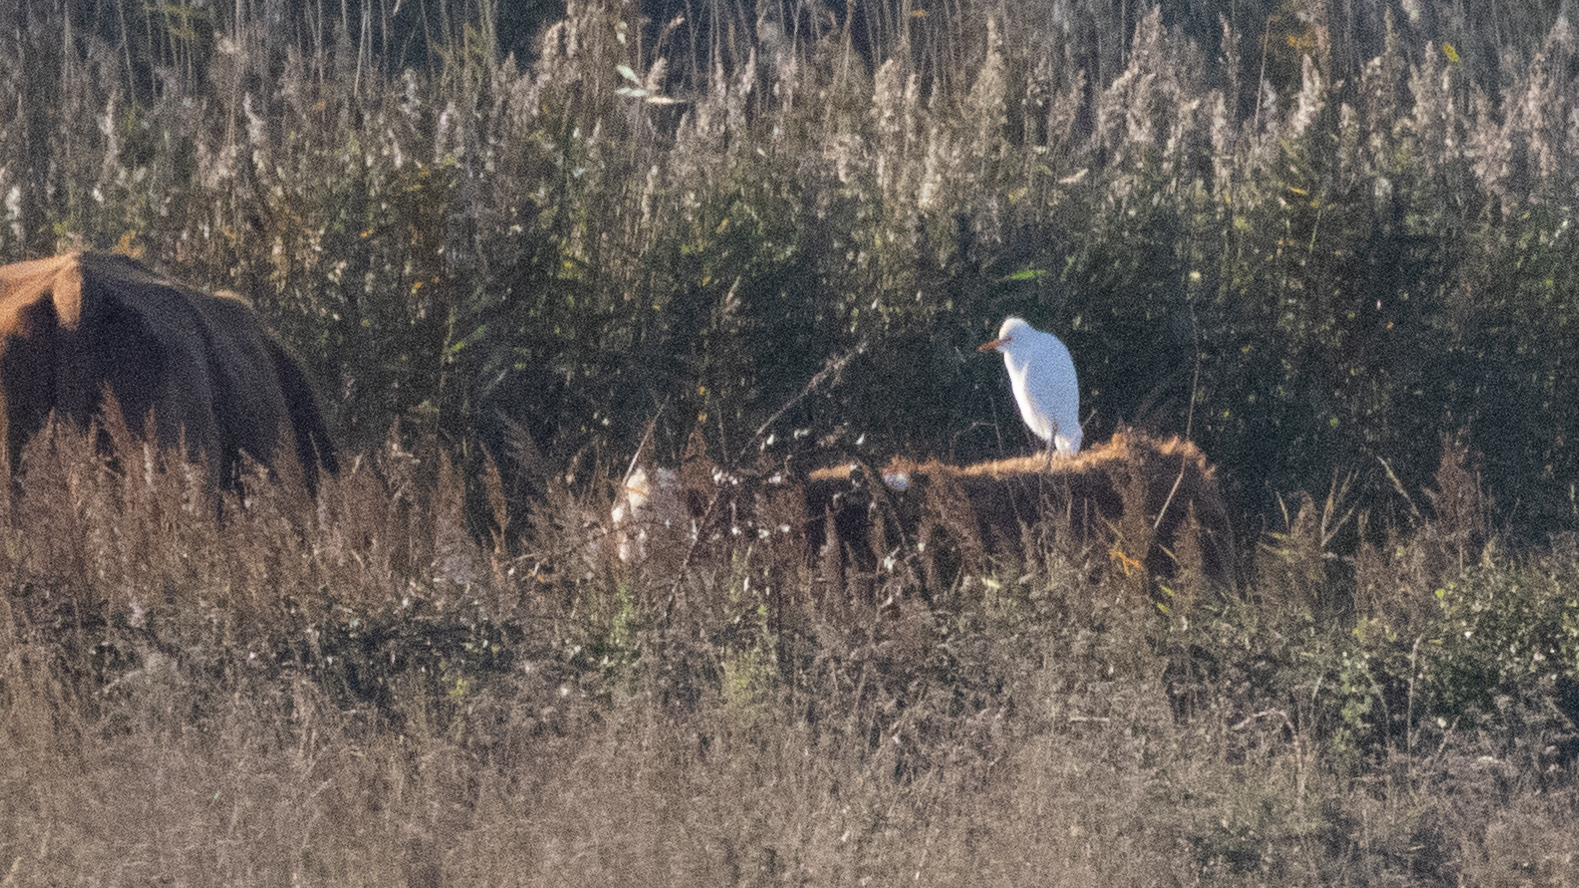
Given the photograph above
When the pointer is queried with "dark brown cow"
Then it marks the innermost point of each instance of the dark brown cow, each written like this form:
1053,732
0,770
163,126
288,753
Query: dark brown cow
1150,506
1139,498
76,326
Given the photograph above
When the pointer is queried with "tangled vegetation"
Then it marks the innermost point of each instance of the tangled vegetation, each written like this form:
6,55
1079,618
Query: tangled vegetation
1314,246
1332,246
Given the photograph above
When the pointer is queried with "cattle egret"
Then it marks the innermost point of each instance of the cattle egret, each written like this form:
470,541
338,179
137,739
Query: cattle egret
1043,378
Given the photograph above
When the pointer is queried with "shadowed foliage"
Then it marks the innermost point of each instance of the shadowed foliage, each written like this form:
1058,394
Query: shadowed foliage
1306,238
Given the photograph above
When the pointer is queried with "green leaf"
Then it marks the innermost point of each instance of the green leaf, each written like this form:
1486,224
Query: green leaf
1028,274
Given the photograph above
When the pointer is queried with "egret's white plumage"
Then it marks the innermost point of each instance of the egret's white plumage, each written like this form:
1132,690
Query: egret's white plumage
1043,378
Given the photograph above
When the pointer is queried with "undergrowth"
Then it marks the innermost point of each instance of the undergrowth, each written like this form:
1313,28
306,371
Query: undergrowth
1308,238
352,690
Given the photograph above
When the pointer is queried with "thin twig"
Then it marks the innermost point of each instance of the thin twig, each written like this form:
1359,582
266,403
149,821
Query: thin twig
835,365
1173,490
646,437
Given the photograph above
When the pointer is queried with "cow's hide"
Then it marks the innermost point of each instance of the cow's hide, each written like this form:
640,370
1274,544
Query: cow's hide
77,326
1152,506
1146,506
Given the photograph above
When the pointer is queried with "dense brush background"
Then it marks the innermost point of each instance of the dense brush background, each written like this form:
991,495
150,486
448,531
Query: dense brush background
1332,243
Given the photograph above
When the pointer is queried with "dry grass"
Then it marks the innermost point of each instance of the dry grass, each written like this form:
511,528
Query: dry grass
352,692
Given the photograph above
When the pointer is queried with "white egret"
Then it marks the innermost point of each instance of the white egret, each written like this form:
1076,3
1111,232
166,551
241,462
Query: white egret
1043,378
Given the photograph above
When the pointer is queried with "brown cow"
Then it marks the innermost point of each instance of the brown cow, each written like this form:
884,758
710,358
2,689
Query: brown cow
1139,497
76,326
1152,506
